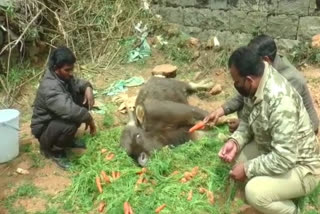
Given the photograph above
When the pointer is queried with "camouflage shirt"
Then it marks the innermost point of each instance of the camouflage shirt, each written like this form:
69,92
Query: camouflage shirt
295,78
276,119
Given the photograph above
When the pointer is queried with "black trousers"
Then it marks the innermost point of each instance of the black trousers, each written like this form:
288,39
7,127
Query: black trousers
59,133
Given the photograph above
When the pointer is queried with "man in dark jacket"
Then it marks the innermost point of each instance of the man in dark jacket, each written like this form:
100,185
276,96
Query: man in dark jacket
267,49
61,106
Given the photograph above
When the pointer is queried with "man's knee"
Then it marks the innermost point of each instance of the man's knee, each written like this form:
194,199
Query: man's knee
64,127
255,194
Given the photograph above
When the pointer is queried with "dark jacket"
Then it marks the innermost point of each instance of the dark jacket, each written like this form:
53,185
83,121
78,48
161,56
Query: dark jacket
57,99
295,78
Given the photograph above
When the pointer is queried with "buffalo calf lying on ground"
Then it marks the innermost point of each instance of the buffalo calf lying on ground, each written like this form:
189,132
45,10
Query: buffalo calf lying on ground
162,117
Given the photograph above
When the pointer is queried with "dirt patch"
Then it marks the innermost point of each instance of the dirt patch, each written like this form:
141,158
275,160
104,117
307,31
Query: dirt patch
52,184
3,210
32,205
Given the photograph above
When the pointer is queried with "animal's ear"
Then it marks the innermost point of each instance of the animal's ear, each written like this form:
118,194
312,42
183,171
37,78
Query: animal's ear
143,159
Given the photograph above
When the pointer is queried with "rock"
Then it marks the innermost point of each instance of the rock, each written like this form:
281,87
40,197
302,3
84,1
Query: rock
316,41
249,5
194,42
191,31
166,70
196,55
296,7
308,27
251,22
287,44
208,19
217,4
283,26
22,171
217,89
174,15
177,3
269,6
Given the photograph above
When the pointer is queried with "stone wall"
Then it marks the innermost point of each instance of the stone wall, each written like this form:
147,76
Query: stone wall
237,21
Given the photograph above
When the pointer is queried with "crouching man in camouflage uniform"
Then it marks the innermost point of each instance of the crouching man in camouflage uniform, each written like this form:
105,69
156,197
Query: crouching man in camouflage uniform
275,147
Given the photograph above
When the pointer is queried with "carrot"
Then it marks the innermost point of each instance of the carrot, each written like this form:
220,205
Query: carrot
190,195
159,209
140,180
117,175
114,175
195,171
101,207
143,170
98,182
202,190
130,209
188,176
174,173
183,180
110,156
198,126
210,197
127,208
105,177
103,151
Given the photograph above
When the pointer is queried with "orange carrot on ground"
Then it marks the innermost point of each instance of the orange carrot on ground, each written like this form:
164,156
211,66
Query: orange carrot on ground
195,171
143,170
101,207
110,156
159,209
117,175
210,197
145,181
130,209
183,180
140,180
190,195
188,176
103,151
127,208
202,190
198,126
98,183
174,173
105,177
114,175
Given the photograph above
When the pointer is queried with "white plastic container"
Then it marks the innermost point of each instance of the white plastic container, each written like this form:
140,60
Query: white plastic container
9,134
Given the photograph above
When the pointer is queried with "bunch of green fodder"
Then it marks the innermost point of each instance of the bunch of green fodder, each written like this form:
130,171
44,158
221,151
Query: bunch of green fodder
162,186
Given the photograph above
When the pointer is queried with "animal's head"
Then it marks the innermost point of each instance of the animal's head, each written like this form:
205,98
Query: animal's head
133,141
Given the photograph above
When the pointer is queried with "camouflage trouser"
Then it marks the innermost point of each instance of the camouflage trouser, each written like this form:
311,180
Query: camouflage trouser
274,194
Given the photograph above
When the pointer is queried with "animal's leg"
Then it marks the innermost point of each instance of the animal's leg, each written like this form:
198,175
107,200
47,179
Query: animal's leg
204,84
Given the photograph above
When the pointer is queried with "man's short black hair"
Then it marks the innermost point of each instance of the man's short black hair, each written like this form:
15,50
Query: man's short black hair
265,45
60,57
247,61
